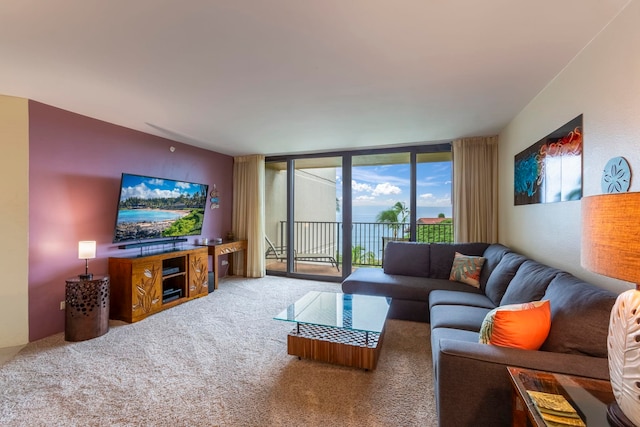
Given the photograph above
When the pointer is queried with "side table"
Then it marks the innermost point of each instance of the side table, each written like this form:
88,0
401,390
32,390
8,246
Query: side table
227,247
589,397
86,308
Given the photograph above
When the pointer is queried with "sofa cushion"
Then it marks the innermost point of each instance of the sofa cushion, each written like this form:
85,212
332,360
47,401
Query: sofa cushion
529,283
466,269
579,317
524,326
441,256
442,297
492,255
374,281
502,275
406,258
458,317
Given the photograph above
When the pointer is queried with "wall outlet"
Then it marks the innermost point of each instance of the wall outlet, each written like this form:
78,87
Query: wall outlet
225,262
63,305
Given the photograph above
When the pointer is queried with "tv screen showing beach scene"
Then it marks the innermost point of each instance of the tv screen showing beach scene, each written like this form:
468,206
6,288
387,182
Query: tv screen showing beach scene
151,208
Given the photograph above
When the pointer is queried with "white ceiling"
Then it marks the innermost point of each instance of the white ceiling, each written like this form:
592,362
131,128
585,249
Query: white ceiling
294,76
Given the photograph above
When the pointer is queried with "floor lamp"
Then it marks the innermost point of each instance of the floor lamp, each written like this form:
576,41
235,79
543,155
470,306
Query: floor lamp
611,247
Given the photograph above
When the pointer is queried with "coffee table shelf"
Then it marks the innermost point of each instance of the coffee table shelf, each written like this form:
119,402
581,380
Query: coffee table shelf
337,346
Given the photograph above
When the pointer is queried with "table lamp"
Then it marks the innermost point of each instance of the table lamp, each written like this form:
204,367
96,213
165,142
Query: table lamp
611,247
86,251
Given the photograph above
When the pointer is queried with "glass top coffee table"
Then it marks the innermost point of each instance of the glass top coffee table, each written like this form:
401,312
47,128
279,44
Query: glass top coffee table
338,328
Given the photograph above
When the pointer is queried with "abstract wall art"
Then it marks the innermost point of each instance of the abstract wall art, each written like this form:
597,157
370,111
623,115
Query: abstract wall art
551,169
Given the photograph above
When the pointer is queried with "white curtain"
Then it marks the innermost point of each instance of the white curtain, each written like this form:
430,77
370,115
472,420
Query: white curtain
248,211
475,189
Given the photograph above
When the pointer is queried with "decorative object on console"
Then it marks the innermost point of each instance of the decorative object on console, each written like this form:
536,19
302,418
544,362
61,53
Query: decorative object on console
616,176
86,251
611,247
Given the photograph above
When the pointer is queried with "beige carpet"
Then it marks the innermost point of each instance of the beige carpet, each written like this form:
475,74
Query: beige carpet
219,360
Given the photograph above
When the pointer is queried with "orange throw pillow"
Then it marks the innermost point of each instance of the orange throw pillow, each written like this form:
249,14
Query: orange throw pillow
524,326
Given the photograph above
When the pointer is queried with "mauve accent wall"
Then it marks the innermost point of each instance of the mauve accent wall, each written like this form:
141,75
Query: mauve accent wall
75,164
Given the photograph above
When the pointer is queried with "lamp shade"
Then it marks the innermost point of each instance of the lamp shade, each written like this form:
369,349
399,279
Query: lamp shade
611,247
87,249
611,235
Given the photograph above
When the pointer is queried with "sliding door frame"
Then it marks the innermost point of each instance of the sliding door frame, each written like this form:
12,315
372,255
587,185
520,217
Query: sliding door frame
347,199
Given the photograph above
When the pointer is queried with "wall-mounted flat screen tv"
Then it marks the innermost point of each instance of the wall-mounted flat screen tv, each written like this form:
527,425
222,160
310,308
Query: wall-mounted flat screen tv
152,208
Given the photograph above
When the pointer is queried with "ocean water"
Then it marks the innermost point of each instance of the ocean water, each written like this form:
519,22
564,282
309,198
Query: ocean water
145,215
369,236
369,213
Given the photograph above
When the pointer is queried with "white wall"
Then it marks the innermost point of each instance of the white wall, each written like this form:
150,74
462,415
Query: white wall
14,216
603,83
315,197
275,201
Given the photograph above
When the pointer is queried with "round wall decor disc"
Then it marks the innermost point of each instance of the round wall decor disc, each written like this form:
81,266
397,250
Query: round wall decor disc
616,176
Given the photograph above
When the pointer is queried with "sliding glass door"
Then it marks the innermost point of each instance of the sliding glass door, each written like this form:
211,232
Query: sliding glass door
311,217
317,219
276,195
381,205
434,207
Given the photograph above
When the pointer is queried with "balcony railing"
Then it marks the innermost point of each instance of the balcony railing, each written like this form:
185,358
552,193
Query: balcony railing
368,238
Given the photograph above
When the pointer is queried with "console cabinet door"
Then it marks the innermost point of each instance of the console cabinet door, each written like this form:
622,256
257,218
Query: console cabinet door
146,289
198,274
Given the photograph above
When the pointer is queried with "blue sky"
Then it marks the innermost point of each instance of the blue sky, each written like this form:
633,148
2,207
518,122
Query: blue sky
152,188
385,185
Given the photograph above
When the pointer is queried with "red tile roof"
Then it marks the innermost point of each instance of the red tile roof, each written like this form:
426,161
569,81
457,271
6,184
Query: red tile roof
428,221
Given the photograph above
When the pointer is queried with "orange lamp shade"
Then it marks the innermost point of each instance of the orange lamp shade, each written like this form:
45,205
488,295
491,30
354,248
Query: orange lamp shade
611,235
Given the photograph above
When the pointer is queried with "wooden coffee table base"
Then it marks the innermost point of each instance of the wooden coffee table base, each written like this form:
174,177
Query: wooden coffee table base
334,345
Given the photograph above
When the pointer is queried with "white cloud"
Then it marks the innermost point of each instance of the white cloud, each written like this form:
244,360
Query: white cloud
376,176
429,199
143,192
365,198
386,189
355,186
183,185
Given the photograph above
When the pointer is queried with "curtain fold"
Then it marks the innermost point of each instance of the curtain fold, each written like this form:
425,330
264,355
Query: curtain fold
475,189
248,211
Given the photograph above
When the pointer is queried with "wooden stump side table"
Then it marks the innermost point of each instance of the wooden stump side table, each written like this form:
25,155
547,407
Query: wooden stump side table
86,308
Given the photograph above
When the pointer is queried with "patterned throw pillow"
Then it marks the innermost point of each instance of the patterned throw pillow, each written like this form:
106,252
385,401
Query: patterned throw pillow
523,326
466,269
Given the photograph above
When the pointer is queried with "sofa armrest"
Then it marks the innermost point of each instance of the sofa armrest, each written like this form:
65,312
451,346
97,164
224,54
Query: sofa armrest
472,383
564,363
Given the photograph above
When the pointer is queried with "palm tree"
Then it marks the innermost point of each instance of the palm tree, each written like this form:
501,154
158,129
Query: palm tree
396,216
360,256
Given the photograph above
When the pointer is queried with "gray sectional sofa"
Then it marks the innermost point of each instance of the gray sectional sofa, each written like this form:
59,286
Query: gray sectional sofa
471,382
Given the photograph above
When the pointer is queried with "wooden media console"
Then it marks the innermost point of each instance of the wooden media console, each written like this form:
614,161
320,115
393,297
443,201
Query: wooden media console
144,285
